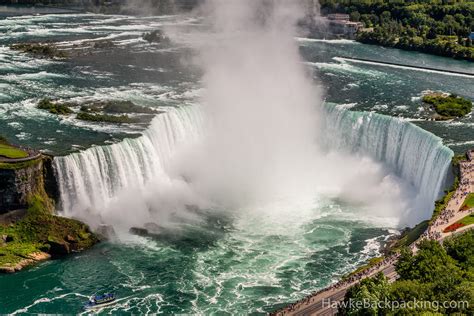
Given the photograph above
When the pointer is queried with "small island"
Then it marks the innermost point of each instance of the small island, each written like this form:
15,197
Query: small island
447,106
42,50
112,111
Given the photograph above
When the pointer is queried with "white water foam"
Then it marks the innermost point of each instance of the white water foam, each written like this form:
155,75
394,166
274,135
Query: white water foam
343,60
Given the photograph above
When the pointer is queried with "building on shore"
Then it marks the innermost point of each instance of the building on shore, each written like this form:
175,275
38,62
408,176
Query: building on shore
334,26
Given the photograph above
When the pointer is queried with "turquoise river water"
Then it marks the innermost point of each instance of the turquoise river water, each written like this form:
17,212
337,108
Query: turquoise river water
250,261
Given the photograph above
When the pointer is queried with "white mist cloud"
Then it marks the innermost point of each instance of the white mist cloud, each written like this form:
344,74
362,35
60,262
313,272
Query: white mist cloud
260,141
261,105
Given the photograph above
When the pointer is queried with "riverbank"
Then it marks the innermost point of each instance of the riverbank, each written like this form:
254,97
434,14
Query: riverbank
316,304
441,29
15,10
30,232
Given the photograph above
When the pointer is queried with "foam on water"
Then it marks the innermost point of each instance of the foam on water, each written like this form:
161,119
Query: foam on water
343,60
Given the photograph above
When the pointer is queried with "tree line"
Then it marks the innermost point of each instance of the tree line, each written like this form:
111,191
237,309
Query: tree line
438,27
435,274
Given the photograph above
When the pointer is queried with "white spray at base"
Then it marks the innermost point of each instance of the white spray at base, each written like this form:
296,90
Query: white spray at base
90,180
103,178
261,143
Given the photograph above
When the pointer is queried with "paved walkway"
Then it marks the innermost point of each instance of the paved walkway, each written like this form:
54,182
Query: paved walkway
319,303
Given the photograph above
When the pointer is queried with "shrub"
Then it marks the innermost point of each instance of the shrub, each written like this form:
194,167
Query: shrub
54,108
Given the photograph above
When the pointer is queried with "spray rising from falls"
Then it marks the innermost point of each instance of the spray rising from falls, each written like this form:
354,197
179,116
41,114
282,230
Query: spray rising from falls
91,180
261,140
413,154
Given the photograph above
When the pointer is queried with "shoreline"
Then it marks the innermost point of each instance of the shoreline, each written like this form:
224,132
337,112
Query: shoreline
313,304
11,10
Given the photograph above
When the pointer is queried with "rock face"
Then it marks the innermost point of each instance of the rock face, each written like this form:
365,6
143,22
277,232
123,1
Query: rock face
17,184
106,232
29,229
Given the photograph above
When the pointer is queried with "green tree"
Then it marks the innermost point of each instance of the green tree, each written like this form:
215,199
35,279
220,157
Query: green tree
369,290
355,16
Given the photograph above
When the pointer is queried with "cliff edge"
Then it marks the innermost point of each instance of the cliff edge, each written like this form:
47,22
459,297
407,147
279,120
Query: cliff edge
29,230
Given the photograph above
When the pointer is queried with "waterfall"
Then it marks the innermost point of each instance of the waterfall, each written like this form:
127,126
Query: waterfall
413,154
89,179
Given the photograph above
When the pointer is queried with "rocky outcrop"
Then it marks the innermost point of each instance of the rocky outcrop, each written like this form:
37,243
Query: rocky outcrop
17,184
29,230
31,259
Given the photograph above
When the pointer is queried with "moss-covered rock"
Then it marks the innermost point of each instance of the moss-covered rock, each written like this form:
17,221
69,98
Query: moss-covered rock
29,230
448,106
54,107
40,231
115,107
106,118
40,50
19,180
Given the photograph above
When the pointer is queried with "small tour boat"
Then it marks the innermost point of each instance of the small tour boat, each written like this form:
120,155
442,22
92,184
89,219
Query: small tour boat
98,301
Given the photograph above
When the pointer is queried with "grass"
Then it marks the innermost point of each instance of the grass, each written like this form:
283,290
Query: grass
11,152
39,229
372,262
469,201
468,220
411,235
440,204
19,165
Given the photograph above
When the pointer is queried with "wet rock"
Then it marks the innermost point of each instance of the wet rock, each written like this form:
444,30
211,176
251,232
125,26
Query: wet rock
139,231
7,238
152,228
59,248
69,238
106,232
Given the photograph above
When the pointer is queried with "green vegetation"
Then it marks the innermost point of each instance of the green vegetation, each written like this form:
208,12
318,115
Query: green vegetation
19,165
468,220
469,201
410,235
435,274
105,118
431,26
441,204
9,151
372,262
54,107
92,111
115,106
448,106
456,160
41,231
40,50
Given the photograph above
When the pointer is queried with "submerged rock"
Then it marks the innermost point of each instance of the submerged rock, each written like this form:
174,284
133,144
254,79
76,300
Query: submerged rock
152,228
156,36
106,232
139,231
